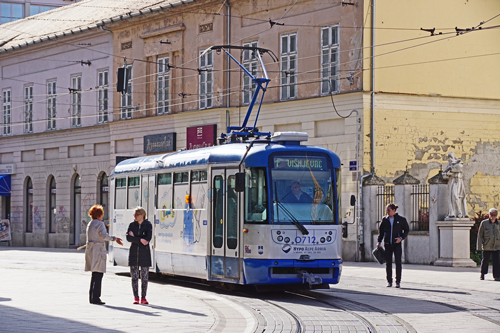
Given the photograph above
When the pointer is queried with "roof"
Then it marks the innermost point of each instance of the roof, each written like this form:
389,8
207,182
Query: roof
223,154
75,18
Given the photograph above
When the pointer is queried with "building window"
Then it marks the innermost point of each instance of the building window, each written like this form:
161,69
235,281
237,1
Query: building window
10,12
52,204
35,9
76,101
29,205
104,196
7,110
206,79
102,96
163,86
77,211
250,63
329,59
126,102
28,109
288,66
51,105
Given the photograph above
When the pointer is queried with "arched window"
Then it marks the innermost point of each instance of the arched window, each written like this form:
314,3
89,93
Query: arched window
77,211
28,205
103,196
52,204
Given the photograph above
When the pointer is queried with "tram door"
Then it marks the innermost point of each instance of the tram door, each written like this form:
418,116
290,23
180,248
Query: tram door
225,228
148,203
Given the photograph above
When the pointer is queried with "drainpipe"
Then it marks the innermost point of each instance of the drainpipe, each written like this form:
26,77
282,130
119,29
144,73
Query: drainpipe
372,73
228,65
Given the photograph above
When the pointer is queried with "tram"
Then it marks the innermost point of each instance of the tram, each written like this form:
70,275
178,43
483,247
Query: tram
258,209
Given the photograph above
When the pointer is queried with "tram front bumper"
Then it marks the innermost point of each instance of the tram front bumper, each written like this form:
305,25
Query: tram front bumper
276,271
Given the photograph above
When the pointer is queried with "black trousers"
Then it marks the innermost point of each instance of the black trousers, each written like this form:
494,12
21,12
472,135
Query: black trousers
95,287
495,255
397,250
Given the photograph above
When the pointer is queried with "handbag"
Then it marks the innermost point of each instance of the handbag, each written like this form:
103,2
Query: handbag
379,254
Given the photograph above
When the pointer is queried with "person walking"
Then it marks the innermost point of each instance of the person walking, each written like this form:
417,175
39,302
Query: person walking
393,230
95,252
488,240
139,233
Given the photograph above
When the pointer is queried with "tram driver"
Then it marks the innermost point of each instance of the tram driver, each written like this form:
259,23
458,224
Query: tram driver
296,195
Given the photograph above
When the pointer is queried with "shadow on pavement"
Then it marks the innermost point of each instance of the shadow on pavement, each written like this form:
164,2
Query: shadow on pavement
130,310
176,310
18,320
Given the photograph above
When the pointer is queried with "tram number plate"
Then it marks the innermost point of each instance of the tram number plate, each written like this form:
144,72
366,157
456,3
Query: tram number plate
305,240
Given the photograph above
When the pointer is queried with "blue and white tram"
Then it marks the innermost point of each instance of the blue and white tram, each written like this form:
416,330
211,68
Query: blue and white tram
232,213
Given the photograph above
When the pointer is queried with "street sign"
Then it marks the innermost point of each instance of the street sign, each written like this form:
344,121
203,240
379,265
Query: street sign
353,165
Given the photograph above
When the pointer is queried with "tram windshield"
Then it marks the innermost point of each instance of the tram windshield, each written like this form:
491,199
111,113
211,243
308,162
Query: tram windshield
302,189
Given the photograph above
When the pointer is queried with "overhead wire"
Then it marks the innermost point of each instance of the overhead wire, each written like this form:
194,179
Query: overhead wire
298,73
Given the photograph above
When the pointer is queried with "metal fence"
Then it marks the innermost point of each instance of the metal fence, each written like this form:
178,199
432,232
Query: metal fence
385,195
419,208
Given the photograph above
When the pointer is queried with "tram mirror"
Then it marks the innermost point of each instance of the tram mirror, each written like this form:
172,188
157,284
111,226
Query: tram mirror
239,186
353,200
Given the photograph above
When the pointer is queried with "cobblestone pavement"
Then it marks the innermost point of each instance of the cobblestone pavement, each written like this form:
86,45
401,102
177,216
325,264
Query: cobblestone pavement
47,290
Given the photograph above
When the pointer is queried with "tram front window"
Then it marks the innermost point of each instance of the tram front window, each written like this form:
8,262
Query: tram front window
302,188
255,196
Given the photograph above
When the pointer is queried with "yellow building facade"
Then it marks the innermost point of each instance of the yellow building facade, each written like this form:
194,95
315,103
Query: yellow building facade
435,91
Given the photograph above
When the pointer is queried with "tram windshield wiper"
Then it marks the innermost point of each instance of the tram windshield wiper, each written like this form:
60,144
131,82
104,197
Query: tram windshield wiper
292,218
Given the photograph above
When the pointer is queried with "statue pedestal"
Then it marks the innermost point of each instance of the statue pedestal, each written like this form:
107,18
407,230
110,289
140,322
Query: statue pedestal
454,243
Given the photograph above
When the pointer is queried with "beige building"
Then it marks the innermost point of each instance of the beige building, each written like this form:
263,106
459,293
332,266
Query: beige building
417,99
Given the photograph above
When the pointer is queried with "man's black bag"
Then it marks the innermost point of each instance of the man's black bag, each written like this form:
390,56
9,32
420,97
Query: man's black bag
379,254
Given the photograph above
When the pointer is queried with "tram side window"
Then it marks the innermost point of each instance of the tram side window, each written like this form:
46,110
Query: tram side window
218,220
256,196
232,214
181,177
121,193
199,176
164,194
134,192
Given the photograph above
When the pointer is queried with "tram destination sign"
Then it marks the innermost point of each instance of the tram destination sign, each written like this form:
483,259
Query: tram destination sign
300,163
159,143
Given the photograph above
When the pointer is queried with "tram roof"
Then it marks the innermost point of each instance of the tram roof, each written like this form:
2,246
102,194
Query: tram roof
224,154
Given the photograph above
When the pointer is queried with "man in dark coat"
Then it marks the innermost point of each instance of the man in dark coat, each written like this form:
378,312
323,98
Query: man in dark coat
297,196
488,240
139,233
393,229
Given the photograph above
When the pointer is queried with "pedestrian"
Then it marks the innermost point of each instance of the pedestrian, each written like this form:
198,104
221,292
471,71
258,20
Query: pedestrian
488,240
139,233
95,252
393,230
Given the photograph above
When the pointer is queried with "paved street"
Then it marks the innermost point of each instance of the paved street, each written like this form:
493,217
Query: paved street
47,290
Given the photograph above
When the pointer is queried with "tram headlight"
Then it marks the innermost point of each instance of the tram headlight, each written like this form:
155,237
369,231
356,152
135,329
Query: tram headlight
322,239
278,232
280,238
330,232
287,239
329,238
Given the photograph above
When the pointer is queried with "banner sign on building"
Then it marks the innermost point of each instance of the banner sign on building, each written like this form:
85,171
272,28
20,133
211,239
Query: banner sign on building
7,169
159,143
201,136
5,230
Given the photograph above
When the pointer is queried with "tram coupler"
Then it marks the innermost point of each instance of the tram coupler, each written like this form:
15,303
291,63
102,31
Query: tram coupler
311,278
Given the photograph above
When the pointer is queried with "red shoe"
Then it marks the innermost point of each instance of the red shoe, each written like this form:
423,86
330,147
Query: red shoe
143,301
136,300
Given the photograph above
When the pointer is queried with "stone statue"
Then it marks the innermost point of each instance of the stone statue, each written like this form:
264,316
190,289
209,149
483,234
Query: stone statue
457,206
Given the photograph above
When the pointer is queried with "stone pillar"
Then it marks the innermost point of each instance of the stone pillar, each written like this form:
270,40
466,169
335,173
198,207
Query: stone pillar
454,243
369,212
402,198
437,211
